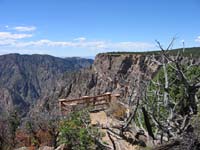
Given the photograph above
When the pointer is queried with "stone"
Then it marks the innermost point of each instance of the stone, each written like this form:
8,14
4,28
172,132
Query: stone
22,148
46,148
62,147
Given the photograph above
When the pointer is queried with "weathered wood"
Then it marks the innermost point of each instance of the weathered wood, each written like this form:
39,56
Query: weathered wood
86,101
101,104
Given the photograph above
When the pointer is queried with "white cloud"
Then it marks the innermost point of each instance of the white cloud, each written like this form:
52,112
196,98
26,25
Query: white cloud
43,42
197,39
25,28
80,39
7,42
16,41
94,45
9,35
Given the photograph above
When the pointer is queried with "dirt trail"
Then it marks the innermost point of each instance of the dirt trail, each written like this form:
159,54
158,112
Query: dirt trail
100,118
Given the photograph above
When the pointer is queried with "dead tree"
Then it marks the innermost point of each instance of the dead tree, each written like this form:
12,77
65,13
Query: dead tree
166,117
155,111
171,117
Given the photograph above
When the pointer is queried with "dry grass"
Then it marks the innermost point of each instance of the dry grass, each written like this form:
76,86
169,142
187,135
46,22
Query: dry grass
117,111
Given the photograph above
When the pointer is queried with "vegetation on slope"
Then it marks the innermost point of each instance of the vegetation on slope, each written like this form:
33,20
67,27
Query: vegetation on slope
194,51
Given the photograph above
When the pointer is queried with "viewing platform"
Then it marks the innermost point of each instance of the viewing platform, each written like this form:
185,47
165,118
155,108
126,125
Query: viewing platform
98,102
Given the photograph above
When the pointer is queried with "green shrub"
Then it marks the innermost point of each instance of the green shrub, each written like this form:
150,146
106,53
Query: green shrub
76,133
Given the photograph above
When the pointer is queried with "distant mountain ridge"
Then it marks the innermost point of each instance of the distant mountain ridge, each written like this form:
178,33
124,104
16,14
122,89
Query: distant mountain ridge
26,78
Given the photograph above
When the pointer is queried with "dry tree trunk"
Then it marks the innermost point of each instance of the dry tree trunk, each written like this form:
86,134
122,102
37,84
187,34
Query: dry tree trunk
147,123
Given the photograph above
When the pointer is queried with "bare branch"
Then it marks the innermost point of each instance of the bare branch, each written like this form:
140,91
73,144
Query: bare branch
132,116
111,139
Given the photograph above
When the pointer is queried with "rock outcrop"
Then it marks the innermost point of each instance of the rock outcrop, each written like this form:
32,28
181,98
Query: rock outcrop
125,74
122,74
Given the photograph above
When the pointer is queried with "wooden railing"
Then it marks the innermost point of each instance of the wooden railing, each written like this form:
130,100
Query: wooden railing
100,101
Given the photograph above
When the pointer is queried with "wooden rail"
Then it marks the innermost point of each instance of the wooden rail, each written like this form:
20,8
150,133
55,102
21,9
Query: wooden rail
67,105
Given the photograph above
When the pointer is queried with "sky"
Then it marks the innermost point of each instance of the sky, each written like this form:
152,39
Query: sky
86,27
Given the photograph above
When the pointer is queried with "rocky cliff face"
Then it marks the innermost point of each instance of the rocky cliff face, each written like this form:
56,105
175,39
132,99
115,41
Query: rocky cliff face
123,74
39,81
24,79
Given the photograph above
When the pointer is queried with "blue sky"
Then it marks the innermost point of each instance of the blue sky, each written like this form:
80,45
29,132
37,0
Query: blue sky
87,27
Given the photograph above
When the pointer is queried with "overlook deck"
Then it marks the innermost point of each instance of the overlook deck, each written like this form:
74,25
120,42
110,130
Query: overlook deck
100,101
